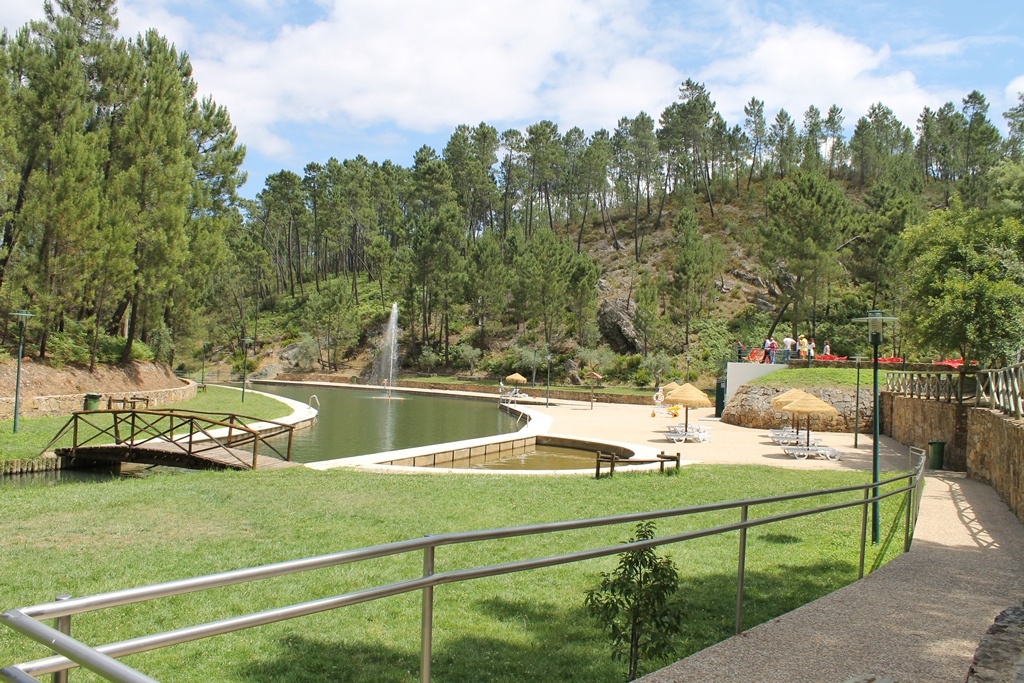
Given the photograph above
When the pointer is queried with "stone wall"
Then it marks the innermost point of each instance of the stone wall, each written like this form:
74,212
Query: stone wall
995,455
65,404
915,422
752,407
581,394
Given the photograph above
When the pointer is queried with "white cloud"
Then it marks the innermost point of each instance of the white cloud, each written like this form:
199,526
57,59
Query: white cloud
16,13
797,66
430,66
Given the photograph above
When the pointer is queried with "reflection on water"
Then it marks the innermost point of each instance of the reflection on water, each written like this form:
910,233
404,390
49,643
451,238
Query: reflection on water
357,421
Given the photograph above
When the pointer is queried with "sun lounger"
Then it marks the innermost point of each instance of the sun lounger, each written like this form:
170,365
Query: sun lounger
801,452
794,440
689,428
689,436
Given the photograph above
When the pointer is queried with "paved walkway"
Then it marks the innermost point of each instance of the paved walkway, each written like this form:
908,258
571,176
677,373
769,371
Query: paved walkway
919,618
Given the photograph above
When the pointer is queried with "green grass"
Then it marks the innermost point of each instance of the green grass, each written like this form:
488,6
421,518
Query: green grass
35,433
815,378
87,538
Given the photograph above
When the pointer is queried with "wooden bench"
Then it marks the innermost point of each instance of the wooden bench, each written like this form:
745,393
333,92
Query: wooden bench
612,458
131,402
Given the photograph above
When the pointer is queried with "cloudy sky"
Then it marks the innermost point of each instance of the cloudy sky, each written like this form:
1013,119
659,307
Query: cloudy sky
305,80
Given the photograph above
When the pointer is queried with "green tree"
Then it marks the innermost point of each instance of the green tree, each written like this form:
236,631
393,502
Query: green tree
635,602
807,221
696,263
965,283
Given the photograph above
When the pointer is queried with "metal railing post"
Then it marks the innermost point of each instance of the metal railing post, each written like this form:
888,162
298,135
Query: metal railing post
741,571
62,624
906,530
863,532
427,632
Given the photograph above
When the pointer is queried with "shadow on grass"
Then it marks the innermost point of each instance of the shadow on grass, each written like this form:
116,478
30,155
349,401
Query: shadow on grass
547,642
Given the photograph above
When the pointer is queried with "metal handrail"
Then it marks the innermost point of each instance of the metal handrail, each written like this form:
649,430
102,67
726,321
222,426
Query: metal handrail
70,652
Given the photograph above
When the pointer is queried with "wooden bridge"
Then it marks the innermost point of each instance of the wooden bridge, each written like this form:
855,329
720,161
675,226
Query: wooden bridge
196,440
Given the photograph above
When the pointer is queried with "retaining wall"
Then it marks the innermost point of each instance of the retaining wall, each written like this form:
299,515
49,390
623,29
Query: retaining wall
916,421
65,404
995,455
751,406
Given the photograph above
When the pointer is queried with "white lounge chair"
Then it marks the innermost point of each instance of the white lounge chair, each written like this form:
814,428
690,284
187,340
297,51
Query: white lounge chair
801,452
689,436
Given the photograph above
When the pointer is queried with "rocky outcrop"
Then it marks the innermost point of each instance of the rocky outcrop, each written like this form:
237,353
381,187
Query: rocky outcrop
616,325
751,406
1000,654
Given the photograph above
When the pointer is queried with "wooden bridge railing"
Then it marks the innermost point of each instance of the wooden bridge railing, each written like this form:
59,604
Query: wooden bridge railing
191,431
941,385
1001,389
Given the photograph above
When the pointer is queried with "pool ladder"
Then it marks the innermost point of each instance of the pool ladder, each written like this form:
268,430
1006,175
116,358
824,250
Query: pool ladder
312,397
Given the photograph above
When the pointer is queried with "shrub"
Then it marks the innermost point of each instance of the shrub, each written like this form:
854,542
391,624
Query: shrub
636,603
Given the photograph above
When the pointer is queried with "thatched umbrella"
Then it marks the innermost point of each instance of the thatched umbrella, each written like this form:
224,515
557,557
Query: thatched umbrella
515,378
670,387
785,397
688,396
780,401
809,405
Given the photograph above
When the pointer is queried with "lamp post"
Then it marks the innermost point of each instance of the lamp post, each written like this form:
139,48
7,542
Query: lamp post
202,372
547,393
22,316
876,321
245,362
856,409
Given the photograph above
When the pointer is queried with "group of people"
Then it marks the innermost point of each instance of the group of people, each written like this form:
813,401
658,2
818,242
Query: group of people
802,347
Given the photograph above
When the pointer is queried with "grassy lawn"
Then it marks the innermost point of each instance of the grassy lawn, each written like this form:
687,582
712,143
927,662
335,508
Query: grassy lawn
34,433
87,538
819,378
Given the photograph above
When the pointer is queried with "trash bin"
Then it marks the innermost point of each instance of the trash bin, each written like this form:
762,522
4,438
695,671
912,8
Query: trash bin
936,452
92,402
719,397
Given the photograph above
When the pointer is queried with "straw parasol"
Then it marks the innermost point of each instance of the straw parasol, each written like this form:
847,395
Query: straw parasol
780,401
688,396
670,387
515,378
809,405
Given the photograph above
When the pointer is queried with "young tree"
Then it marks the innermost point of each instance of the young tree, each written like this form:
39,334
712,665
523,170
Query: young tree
635,602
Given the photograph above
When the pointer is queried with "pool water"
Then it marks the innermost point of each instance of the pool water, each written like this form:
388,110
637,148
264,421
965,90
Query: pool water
359,421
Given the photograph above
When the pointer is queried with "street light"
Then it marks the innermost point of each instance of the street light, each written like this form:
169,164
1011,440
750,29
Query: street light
856,409
876,321
202,373
22,316
245,362
547,395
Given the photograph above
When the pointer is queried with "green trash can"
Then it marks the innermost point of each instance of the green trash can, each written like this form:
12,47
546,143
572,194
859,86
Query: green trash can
936,453
719,397
92,402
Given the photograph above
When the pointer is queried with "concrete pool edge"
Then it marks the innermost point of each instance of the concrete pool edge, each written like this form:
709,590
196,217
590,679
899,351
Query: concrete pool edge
538,425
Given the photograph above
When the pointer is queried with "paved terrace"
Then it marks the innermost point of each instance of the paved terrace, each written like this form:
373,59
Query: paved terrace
919,618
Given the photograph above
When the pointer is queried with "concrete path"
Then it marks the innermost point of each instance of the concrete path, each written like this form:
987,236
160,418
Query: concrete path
917,619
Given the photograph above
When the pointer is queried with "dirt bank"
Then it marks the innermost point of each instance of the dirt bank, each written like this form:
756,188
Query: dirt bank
38,379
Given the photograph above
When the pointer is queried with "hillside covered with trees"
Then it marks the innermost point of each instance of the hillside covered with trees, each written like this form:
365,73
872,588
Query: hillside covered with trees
642,251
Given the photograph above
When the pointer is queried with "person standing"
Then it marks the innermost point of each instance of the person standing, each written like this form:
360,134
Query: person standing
810,348
773,349
826,350
787,348
767,348
801,345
